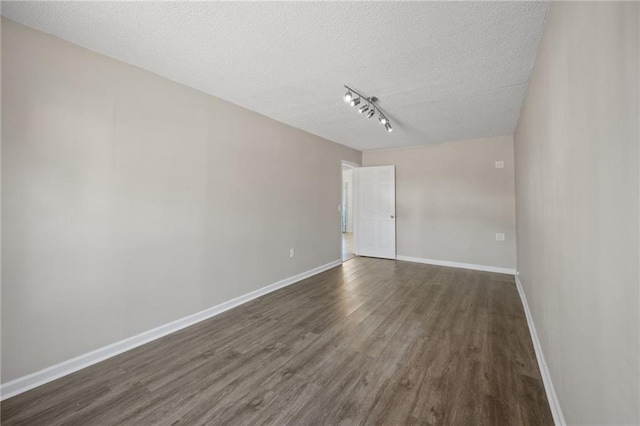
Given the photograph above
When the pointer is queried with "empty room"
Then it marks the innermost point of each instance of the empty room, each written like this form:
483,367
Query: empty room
320,213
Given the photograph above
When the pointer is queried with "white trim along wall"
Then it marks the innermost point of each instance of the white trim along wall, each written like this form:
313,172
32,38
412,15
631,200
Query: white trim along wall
554,404
30,381
475,267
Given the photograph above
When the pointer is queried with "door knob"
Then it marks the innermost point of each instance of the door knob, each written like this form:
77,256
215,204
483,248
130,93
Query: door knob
392,216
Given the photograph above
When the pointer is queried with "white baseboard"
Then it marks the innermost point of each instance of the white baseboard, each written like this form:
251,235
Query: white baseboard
554,404
30,381
485,268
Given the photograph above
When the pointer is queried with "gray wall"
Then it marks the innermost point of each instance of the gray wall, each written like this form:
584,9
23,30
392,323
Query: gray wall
129,201
451,200
576,151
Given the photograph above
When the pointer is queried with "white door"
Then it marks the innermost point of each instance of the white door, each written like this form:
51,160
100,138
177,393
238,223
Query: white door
376,211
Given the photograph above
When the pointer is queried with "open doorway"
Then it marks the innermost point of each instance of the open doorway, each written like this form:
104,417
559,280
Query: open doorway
348,211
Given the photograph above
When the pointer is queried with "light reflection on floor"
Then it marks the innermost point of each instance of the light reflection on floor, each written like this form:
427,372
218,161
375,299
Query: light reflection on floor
352,293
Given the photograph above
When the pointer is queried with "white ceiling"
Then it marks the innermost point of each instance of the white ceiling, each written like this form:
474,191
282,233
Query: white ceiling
443,71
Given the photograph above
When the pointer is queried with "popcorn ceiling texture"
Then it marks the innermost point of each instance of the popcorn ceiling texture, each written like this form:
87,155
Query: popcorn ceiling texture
442,71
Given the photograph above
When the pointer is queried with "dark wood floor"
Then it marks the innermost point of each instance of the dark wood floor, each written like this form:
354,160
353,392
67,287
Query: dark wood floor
370,342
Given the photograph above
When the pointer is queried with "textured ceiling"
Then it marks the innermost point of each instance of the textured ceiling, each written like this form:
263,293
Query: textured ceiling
443,71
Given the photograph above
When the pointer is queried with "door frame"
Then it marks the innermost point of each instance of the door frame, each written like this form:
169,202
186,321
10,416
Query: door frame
354,203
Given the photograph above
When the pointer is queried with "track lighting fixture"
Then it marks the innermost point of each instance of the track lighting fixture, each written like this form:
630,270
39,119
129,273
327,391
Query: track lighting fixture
369,109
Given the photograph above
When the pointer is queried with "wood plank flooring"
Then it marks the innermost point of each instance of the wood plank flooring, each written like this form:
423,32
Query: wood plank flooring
370,342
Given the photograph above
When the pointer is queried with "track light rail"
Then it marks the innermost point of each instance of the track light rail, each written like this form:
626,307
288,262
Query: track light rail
369,109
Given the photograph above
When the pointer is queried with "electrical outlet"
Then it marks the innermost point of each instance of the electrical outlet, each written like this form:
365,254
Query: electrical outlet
500,164
292,253
499,237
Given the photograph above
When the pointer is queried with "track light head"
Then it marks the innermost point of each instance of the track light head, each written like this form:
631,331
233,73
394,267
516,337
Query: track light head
363,109
371,113
348,96
388,127
383,120
354,102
